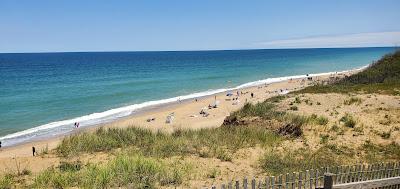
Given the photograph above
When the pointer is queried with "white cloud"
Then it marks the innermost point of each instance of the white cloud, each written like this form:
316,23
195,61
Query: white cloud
380,39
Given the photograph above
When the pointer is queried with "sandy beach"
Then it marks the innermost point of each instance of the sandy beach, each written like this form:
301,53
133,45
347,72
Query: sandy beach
186,115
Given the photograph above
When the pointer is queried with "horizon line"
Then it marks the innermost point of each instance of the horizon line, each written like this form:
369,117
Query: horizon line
200,50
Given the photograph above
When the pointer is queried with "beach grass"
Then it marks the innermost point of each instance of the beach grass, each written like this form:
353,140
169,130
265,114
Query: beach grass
7,181
179,143
353,100
283,161
130,169
135,171
382,77
278,162
348,120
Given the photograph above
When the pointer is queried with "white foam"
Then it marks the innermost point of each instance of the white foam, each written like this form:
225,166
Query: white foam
109,115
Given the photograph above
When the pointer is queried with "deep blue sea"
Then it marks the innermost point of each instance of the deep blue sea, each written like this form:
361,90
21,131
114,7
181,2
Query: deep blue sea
43,94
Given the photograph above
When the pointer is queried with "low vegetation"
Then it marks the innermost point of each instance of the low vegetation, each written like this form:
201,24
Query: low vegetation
348,121
7,181
353,100
204,142
277,162
382,76
124,170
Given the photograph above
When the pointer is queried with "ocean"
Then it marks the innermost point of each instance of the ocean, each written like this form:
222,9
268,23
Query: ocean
43,94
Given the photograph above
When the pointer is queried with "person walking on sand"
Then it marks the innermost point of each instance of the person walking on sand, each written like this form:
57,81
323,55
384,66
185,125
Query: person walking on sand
33,151
252,95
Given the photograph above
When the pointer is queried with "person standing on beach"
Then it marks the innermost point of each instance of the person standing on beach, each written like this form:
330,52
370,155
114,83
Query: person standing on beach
33,150
252,95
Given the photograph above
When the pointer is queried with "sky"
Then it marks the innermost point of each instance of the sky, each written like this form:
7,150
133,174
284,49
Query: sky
150,25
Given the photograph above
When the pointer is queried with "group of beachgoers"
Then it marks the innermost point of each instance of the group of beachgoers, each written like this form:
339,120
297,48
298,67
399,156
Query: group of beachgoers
203,112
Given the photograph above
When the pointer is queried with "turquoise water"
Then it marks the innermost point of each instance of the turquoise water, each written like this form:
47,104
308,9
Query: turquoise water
39,90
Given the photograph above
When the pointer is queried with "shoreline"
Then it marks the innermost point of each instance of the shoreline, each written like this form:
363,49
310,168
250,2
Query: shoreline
187,110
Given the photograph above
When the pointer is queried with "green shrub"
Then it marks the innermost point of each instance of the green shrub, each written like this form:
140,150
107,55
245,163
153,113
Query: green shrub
26,172
353,100
335,128
276,99
70,166
297,100
224,155
348,121
213,173
324,139
7,181
322,120
385,135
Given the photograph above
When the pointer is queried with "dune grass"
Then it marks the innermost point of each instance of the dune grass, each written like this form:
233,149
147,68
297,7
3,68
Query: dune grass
181,142
7,181
277,162
382,76
281,162
290,124
348,121
211,142
379,152
134,171
353,100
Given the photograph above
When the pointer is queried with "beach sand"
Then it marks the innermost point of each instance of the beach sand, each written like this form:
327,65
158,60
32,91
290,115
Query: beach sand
186,116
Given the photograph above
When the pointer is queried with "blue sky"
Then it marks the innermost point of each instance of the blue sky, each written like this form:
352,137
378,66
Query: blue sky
78,25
